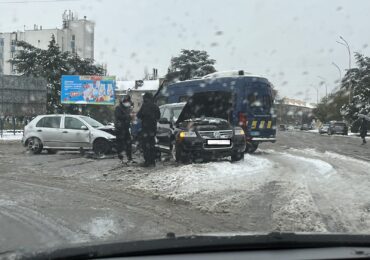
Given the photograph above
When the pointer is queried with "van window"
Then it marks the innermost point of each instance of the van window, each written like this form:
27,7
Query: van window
183,98
162,101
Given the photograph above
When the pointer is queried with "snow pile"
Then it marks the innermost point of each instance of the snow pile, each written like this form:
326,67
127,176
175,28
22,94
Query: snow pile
315,166
207,185
11,136
102,227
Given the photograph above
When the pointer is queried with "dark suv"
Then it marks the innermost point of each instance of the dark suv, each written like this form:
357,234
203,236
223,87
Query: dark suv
192,134
337,128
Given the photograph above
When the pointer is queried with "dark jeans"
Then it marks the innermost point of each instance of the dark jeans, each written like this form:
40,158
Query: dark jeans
124,143
148,144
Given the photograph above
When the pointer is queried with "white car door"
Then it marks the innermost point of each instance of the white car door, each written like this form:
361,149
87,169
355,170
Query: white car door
49,131
75,133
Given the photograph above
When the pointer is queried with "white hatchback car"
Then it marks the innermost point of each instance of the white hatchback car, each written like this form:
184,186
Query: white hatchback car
67,132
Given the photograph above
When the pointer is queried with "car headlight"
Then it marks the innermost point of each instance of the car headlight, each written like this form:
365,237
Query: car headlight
184,134
239,132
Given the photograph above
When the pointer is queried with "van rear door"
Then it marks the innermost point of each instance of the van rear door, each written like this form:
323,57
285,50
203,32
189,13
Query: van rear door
261,123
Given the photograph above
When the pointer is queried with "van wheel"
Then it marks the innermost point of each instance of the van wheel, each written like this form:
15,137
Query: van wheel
101,146
251,147
237,157
34,145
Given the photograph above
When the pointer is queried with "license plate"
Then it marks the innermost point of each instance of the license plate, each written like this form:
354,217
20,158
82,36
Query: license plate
255,133
218,142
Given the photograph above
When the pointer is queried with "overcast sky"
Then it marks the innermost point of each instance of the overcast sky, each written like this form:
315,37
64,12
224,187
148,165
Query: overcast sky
290,42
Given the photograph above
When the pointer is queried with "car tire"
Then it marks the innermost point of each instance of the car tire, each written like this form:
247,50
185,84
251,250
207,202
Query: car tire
237,157
52,151
101,146
34,145
251,147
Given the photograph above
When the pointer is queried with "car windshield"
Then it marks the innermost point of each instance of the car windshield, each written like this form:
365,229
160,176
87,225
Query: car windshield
156,119
92,122
177,112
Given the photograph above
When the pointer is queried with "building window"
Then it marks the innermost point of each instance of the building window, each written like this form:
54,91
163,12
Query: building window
73,44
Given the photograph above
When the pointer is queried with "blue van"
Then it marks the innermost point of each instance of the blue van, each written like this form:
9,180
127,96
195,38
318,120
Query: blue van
243,100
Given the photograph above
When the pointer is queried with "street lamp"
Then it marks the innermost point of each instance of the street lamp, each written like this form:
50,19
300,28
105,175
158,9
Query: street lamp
339,70
317,93
326,86
345,44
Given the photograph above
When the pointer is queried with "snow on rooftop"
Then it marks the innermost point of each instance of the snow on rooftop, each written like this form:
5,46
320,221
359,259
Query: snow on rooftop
129,85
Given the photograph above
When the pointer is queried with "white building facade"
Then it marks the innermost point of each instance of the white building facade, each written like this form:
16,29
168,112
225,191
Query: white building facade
75,36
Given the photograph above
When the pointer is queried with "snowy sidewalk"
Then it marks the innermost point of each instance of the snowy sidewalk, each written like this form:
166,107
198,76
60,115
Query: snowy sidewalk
9,136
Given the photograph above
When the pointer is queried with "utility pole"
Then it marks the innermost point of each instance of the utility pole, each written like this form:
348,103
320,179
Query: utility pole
345,44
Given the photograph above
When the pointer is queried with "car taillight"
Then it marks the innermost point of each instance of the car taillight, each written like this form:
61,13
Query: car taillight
243,120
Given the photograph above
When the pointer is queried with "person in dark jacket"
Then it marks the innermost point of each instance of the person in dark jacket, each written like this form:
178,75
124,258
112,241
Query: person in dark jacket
363,130
122,123
149,115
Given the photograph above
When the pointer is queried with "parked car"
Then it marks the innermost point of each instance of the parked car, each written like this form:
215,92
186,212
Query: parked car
67,132
305,127
194,135
338,127
282,127
324,129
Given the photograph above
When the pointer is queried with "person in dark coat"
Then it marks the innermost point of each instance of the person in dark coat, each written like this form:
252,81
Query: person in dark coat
149,115
363,130
122,123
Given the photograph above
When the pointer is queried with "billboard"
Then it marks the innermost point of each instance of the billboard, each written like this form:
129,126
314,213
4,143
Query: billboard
97,90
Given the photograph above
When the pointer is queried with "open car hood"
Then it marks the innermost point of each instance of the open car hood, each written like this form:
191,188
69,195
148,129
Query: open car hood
215,104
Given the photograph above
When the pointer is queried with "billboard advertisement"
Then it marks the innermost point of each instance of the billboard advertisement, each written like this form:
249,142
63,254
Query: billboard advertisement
97,90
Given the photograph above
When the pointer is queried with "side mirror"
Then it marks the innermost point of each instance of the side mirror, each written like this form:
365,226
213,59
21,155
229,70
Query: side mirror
84,127
164,121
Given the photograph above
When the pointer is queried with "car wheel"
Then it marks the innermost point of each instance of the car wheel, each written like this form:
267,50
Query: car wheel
34,144
52,151
251,147
101,146
237,157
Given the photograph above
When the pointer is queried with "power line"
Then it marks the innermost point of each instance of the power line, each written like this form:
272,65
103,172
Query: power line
35,1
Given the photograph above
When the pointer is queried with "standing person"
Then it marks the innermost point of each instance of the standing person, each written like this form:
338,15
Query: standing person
149,115
122,123
363,130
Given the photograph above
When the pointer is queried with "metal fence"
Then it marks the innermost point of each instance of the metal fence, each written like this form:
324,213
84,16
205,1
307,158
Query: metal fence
22,96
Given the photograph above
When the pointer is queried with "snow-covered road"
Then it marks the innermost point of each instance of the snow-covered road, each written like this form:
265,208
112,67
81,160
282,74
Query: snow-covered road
287,186
301,190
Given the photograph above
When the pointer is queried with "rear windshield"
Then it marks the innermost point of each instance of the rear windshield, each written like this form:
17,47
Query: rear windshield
258,97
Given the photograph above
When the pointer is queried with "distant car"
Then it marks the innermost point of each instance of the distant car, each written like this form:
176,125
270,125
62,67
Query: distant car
304,127
282,127
324,129
338,128
67,132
